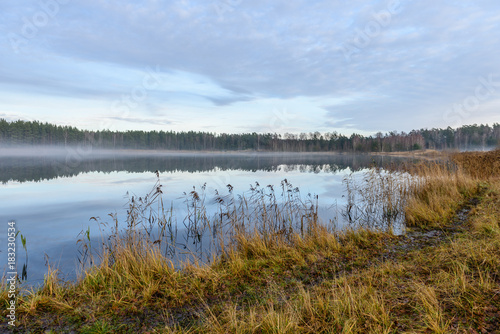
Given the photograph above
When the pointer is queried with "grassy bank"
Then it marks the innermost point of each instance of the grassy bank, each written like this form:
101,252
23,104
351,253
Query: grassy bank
442,275
421,154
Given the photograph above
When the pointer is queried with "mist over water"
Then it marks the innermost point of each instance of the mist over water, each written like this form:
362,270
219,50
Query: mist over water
30,164
52,193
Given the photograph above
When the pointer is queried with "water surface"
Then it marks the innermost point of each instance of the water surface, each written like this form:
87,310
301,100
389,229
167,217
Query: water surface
52,197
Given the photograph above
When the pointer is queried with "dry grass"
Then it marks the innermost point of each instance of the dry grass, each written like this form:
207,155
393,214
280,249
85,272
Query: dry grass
313,280
437,193
479,164
442,187
421,154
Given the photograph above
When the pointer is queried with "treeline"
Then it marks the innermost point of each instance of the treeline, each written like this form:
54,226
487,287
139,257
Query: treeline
38,133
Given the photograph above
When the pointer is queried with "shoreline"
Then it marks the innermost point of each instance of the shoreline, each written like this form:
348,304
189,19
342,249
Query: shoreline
355,280
23,151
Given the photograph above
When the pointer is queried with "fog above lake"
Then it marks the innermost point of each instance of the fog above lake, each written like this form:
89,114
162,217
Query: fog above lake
23,164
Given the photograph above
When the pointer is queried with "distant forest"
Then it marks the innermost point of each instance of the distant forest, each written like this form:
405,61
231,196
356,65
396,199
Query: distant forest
38,133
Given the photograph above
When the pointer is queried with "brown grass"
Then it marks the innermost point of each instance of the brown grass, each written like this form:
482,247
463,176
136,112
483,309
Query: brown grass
318,281
482,165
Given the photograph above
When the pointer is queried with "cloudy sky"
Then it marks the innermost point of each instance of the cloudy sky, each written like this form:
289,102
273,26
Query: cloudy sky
251,65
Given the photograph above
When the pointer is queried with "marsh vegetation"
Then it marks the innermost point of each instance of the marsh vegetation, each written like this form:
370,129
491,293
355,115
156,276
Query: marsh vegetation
421,256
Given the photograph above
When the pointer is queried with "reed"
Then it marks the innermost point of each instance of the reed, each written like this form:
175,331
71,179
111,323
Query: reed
275,267
377,199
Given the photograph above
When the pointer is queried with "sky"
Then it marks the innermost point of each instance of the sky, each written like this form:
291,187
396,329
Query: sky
238,66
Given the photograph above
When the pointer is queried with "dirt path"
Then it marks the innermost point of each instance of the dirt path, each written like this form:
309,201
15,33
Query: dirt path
418,238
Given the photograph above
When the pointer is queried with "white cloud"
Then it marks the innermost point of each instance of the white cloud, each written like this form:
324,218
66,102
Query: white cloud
225,69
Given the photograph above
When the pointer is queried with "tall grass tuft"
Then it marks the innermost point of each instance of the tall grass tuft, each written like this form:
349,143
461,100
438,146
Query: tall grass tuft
377,199
438,190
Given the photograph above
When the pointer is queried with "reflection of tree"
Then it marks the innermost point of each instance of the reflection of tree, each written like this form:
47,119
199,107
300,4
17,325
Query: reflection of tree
43,168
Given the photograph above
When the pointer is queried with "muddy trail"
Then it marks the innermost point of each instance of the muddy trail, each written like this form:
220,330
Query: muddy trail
418,238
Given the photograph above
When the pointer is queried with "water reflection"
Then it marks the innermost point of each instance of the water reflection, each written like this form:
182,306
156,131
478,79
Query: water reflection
53,197
39,168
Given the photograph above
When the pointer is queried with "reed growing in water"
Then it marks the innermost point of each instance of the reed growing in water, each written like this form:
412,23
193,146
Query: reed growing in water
278,269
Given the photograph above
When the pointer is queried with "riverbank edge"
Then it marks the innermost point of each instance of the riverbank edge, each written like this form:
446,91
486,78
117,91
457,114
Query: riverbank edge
440,278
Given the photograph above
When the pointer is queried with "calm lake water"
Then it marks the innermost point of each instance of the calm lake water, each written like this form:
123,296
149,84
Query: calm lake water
52,196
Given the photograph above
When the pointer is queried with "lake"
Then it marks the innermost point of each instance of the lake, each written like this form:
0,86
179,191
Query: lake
53,194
